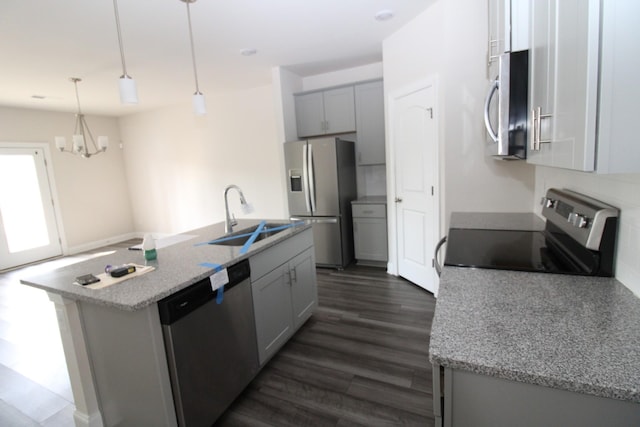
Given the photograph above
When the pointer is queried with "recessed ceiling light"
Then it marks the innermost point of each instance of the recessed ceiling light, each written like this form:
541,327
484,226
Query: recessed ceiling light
248,52
384,15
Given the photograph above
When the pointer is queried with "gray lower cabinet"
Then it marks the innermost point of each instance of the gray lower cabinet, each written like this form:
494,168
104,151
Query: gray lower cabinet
285,296
476,400
370,232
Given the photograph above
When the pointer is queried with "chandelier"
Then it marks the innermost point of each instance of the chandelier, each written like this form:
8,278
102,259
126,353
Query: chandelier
80,134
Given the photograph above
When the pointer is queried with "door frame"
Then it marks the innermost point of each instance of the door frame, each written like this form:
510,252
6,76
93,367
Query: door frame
430,81
46,152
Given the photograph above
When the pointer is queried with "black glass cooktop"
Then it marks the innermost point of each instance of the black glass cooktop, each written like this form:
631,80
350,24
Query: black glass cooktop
509,250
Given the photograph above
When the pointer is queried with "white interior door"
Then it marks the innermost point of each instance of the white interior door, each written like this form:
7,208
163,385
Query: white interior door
28,229
416,172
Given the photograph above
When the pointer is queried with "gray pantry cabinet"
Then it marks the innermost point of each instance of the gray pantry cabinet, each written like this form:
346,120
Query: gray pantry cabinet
584,60
283,282
370,123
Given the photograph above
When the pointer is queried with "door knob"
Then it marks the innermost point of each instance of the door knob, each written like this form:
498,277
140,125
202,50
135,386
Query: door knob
398,200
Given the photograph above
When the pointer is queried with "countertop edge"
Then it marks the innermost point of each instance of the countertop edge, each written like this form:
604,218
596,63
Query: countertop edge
106,297
544,381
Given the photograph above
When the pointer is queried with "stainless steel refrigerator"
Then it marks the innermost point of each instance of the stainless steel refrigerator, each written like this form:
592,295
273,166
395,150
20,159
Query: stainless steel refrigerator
321,181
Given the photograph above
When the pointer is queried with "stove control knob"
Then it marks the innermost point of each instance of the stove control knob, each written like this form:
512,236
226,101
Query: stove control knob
577,220
548,203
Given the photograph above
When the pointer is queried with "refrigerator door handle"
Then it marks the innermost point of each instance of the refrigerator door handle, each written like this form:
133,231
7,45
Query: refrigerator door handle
312,179
305,177
315,220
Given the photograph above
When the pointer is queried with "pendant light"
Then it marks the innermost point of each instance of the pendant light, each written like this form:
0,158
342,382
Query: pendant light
198,98
128,91
80,134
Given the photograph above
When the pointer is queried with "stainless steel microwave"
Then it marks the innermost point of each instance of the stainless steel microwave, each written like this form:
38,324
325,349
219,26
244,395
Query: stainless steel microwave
507,99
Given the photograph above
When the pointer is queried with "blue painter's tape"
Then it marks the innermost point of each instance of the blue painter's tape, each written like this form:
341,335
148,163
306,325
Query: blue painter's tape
216,267
253,237
220,295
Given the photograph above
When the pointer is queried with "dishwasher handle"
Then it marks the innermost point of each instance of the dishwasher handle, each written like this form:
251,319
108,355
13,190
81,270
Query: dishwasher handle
435,255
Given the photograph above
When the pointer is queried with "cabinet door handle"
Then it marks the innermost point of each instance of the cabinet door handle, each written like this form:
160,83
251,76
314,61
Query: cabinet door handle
534,129
536,125
294,275
490,56
398,200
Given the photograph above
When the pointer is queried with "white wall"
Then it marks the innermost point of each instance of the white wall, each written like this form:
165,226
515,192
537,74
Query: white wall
621,191
178,164
285,84
92,193
342,77
448,41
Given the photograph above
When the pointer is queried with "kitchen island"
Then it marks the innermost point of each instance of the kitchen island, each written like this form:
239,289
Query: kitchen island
531,349
113,338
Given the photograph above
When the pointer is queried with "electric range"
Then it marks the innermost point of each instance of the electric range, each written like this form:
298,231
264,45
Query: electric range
579,238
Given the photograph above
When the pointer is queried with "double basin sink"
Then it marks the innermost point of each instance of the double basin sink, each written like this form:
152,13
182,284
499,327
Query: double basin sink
239,238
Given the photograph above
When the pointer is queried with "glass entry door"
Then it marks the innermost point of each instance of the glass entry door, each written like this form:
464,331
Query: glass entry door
28,229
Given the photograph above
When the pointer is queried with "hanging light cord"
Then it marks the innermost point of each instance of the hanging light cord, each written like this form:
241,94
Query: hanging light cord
75,81
193,50
124,66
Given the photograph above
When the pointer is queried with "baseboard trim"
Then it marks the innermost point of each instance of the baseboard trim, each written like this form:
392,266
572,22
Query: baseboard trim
101,243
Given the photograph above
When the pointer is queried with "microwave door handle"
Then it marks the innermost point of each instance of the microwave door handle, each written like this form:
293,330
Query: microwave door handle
305,176
487,103
312,180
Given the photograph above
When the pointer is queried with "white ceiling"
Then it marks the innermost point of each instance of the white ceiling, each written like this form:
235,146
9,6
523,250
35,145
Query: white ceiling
44,42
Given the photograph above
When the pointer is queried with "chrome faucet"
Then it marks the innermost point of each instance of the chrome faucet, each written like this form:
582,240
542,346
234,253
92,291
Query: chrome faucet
230,219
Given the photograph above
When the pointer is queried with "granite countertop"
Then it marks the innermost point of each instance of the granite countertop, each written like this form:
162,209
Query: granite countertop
576,333
176,267
367,200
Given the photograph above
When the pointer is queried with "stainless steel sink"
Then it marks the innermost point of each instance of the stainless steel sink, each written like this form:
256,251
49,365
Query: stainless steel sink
239,238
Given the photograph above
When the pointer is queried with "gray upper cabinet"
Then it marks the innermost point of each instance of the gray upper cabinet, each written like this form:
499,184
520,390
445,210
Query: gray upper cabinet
508,30
325,112
370,123
583,90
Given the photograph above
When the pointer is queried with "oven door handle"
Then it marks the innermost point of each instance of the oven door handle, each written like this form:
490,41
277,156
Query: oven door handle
436,264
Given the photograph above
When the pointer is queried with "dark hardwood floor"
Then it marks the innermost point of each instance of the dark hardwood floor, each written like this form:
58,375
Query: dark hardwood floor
361,360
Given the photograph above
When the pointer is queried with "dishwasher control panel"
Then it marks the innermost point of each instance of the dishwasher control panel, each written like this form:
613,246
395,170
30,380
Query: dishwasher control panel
176,306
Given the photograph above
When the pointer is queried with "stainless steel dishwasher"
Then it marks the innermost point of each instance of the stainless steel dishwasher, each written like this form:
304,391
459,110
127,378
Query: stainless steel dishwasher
211,346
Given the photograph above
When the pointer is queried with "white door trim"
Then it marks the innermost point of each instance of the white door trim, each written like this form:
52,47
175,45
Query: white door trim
431,81
52,183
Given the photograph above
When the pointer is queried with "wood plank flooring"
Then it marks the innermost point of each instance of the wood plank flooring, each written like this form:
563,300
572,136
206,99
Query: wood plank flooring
361,360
